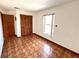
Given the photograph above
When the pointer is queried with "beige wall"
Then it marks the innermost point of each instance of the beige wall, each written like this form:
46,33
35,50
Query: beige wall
67,19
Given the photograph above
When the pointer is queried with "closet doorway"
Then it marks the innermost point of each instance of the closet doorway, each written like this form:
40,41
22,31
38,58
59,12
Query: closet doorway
26,24
8,25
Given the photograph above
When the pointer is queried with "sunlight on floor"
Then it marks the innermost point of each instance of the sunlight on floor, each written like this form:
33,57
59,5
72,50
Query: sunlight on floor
47,49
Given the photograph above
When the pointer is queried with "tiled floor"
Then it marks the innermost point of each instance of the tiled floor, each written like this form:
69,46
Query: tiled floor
31,46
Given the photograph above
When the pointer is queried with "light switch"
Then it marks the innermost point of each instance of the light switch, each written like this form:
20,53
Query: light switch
56,25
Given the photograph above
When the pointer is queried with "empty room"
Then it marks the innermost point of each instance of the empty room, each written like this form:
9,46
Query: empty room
39,28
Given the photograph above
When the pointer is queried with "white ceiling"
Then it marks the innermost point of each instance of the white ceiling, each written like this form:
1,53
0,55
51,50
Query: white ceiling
30,5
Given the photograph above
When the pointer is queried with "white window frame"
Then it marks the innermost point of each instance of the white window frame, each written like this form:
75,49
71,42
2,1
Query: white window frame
52,25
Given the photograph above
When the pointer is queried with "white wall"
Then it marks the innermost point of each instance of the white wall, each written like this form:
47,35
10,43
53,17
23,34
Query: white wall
1,36
67,19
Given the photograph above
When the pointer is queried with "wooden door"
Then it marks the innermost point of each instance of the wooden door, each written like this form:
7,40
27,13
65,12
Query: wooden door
8,25
11,25
26,24
30,24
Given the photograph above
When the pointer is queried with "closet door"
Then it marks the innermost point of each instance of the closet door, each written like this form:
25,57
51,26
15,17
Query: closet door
8,25
5,27
22,24
11,25
26,24
30,24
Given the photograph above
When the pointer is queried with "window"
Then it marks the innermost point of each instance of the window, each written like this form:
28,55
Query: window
47,24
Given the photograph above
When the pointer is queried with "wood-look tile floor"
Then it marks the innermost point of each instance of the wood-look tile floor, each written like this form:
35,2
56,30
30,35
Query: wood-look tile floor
31,46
